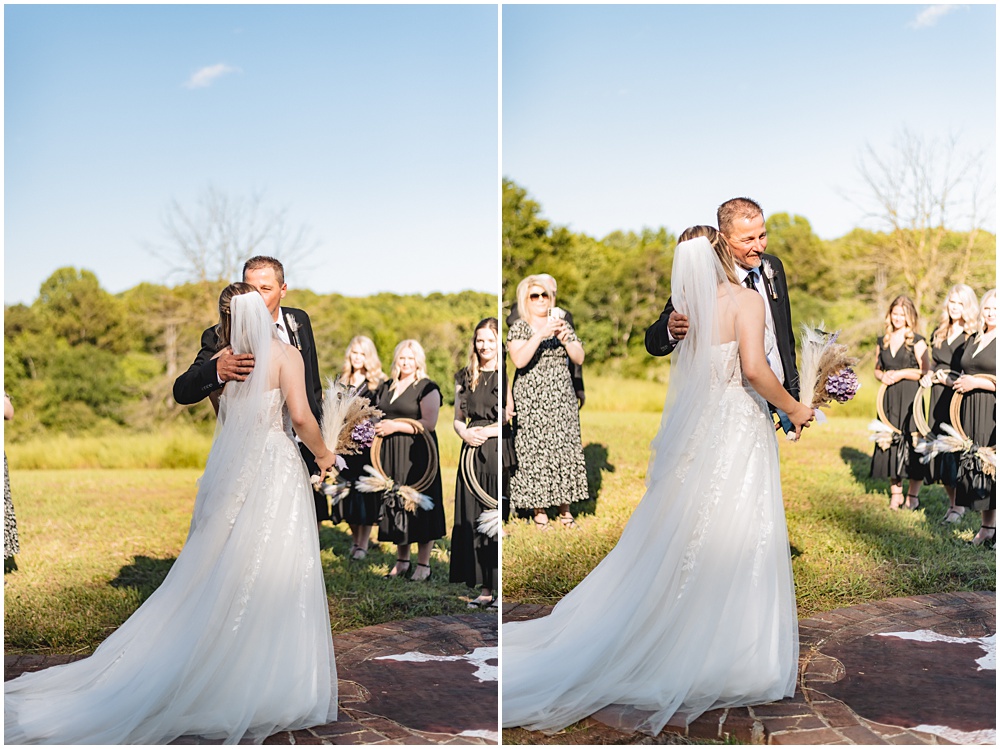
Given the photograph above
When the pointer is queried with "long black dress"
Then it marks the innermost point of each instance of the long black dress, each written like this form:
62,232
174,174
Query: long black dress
900,461
361,508
404,459
943,468
979,422
474,556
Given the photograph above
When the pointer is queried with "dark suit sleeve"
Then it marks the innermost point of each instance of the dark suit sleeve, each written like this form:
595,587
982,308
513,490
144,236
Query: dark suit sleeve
658,342
201,377
791,367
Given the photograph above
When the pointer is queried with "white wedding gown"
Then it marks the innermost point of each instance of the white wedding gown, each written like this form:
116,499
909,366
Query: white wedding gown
235,644
694,608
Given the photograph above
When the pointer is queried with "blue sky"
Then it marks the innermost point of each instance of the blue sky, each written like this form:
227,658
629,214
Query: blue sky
377,126
620,117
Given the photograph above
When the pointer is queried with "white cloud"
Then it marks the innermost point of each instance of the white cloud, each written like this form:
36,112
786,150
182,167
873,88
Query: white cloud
207,75
930,15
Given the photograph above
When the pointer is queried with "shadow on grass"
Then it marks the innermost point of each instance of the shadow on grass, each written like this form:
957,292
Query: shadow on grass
860,464
145,574
595,455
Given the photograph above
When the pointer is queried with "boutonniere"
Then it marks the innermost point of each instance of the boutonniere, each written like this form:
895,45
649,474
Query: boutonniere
769,275
293,330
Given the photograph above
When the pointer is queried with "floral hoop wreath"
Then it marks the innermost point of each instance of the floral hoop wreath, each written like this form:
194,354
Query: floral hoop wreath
956,408
919,420
466,466
880,401
432,464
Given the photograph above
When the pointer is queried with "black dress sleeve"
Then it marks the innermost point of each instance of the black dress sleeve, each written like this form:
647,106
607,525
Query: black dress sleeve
462,395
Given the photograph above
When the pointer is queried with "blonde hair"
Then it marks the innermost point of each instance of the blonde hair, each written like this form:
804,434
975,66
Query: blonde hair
224,329
719,244
970,312
981,321
910,311
473,368
544,280
418,355
373,365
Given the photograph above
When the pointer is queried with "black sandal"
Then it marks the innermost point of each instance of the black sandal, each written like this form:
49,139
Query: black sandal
916,506
399,573
541,526
952,516
421,579
988,543
568,521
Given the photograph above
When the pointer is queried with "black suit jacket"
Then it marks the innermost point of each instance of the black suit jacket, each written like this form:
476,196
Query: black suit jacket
658,343
201,377
575,370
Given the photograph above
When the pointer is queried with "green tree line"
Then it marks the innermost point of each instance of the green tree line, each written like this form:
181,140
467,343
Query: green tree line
80,360
617,286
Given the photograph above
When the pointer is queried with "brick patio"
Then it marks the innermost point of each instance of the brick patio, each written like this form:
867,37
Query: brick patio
384,700
813,715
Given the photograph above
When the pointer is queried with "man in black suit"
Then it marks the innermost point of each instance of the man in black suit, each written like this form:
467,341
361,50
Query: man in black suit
741,223
207,375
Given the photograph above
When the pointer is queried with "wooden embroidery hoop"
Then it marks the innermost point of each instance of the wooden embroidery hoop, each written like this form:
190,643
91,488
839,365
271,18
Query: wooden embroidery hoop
432,464
956,408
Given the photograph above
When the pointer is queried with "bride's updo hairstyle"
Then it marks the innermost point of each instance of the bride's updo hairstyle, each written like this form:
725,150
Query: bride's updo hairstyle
718,243
224,329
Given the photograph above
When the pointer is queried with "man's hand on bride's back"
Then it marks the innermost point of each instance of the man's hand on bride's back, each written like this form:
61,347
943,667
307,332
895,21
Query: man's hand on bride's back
232,366
677,324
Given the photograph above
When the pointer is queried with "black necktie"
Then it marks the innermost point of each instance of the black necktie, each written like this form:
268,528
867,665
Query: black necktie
749,281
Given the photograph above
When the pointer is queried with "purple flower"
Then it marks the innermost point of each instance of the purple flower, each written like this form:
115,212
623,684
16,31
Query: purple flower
363,434
843,385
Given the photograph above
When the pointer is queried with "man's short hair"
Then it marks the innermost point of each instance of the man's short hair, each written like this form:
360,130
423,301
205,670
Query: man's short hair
265,261
736,208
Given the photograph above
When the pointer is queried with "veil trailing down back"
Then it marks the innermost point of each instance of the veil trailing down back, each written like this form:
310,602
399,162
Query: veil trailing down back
694,609
235,644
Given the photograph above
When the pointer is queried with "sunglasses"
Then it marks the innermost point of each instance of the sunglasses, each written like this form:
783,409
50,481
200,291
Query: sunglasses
536,297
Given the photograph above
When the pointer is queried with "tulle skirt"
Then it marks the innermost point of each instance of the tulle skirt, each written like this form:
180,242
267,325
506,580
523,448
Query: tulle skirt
694,609
235,644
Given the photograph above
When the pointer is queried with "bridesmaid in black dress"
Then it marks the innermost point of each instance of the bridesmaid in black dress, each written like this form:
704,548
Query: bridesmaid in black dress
900,349
474,556
410,394
956,323
362,372
979,417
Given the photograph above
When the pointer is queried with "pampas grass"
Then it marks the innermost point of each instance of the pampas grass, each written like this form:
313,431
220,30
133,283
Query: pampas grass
376,482
821,358
344,409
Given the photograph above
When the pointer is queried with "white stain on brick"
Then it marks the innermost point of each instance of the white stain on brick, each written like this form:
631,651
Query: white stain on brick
478,658
989,644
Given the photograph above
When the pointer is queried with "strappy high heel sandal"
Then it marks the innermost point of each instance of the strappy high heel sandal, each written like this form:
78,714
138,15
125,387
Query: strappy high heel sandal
399,573
989,542
414,579
916,497
952,516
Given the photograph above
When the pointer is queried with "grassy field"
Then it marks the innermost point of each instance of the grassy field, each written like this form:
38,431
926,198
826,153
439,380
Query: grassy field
95,543
847,546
